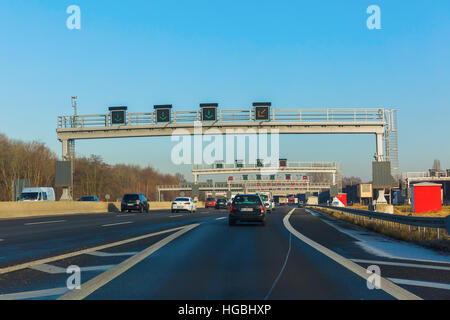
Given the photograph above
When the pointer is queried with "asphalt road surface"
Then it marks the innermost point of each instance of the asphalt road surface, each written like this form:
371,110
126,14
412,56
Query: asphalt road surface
199,256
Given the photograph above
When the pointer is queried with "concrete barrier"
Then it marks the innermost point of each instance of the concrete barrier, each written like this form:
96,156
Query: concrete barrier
9,210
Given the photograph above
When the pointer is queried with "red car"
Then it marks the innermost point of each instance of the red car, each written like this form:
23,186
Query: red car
210,203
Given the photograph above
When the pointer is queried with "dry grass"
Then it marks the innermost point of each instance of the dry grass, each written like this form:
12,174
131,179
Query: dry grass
407,210
428,237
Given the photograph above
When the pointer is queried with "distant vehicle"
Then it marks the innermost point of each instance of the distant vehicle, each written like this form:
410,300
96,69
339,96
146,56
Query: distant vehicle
37,195
266,197
135,202
301,204
89,199
184,204
221,204
210,203
247,208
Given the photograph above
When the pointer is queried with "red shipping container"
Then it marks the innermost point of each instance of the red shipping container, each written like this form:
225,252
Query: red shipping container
426,197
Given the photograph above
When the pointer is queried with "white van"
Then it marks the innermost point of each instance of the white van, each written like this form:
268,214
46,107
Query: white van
37,194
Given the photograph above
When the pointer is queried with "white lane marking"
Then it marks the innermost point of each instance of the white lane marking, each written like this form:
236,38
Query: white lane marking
50,269
435,285
221,218
180,215
282,269
86,251
1,240
93,285
34,294
44,222
399,264
106,254
386,285
116,224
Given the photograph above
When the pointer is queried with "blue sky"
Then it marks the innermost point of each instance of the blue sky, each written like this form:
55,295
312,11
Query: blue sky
296,54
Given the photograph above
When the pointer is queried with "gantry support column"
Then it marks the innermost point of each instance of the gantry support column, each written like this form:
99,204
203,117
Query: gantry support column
66,156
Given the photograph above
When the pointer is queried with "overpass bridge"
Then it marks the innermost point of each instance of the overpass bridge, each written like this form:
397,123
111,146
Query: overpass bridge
165,122
332,168
276,187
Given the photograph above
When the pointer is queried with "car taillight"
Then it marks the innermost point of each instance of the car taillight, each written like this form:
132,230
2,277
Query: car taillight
138,201
231,209
262,209
187,203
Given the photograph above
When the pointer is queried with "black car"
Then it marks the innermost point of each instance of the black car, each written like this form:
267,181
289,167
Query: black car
221,204
247,208
135,202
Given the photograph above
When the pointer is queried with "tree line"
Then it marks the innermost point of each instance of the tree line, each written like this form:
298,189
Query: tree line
92,176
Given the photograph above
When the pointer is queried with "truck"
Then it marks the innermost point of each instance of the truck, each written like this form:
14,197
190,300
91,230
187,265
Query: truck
41,194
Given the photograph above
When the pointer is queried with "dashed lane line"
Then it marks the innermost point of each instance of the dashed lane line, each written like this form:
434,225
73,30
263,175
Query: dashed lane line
415,283
50,269
34,294
85,251
223,218
386,285
44,222
93,285
106,254
399,264
116,224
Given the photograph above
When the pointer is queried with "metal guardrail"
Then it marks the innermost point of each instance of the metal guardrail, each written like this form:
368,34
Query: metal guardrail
423,222
358,116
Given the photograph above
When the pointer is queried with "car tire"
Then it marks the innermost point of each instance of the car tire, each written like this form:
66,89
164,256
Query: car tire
231,222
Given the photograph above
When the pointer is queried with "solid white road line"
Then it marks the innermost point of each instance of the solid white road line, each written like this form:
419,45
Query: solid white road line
93,285
86,251
44,222
116,224
435,285
34,294
399,264
221,218
50,269
125,215
106,254
386,285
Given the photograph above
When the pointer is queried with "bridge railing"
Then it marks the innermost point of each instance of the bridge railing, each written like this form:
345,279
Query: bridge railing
229,116
290,165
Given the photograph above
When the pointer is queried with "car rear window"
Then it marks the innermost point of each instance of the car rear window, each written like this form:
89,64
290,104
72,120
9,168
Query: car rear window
222,201
210,199
247,200
182,199
128,197
265,197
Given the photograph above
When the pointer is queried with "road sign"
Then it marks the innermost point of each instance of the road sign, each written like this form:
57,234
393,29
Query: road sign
209,111
382,177
334,191
219,165
118,115
262,111
288,177
163,113
107,197
283,163
259,163
245,177
63,174
239,164
258,177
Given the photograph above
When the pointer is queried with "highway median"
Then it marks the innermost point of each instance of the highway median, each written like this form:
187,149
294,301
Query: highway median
12,210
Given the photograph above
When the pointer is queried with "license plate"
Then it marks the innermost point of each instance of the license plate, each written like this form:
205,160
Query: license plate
247,210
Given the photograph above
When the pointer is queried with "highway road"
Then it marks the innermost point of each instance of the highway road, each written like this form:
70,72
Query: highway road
159,256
